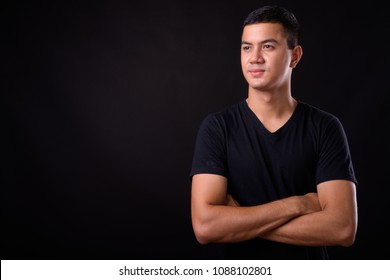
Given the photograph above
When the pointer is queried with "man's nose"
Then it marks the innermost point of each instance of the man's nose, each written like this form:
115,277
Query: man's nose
257,57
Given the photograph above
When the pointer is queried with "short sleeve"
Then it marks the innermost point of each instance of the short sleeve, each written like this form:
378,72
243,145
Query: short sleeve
334,161
210,148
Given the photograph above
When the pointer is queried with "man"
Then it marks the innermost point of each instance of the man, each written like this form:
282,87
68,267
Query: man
272,176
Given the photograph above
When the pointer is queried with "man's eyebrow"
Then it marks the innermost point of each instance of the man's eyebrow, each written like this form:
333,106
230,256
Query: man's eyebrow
245,43
270,40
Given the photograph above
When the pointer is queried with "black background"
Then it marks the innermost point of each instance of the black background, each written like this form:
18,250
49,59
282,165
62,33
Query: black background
103,100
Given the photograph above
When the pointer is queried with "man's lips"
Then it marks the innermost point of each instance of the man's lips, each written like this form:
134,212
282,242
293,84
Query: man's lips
256,72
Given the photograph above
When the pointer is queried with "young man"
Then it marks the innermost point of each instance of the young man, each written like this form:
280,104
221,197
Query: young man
272,176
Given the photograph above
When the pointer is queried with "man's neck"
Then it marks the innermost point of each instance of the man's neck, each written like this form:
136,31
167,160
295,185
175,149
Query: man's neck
272,109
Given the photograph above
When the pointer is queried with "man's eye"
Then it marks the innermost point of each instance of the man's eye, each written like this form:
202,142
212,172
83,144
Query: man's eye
246,48
268,46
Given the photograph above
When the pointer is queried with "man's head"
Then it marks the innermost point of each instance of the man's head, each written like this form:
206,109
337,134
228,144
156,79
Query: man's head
269,48
276,14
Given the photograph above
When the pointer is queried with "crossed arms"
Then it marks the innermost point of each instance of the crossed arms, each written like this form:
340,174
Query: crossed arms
325,218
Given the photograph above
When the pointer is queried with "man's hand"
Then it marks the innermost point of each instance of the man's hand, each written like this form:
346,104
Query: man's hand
230,201
312,203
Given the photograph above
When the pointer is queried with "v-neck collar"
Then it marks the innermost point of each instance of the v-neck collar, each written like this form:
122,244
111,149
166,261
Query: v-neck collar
263,129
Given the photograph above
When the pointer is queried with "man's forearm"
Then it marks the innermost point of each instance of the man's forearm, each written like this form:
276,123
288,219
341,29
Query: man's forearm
335,224
226,223
315,229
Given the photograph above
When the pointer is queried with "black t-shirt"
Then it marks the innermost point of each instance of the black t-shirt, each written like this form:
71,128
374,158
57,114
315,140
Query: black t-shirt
310,148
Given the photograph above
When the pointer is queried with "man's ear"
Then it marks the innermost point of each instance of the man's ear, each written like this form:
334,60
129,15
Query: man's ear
296,56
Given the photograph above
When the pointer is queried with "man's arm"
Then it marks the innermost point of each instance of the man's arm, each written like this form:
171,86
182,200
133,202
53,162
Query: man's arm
216,220
335,224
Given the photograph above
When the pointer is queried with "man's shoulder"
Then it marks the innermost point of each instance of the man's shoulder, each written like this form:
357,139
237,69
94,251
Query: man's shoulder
228,110
316,112
225,117
320,119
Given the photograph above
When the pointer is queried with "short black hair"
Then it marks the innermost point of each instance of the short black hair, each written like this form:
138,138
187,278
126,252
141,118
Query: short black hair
277,14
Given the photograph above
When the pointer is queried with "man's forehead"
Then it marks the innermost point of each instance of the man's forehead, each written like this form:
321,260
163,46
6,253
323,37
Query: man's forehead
261,31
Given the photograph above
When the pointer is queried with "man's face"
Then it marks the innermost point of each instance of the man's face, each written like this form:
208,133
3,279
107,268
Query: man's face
265,57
